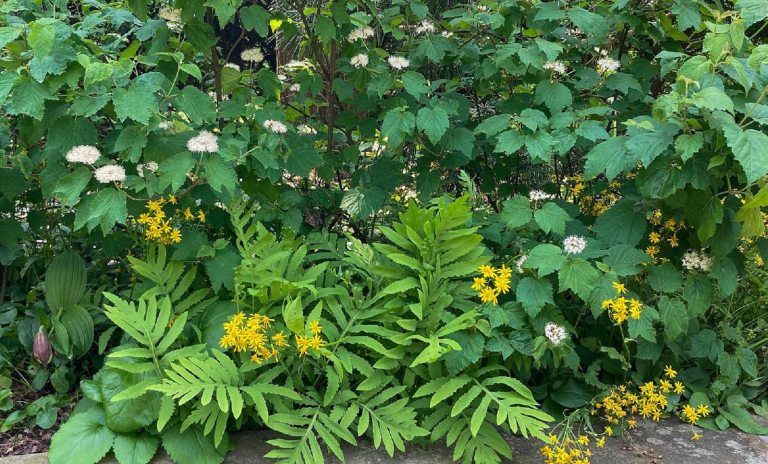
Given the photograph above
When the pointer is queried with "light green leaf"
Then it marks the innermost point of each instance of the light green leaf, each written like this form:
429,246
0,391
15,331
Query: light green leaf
534,294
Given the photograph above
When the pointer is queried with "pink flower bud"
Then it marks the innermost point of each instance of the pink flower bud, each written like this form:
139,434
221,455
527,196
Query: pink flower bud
42,349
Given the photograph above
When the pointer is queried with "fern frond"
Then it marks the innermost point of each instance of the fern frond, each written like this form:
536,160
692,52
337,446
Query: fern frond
389,423
306,429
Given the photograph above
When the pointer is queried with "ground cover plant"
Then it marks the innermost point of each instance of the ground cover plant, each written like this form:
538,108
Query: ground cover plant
410,222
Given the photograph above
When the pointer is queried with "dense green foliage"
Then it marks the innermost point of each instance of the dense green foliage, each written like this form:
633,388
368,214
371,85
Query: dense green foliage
338,172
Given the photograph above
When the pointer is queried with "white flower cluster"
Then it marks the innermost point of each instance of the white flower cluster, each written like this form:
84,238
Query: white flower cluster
164,125
295,65
361,34
86,154
555,333
151,167
607,65
574,244
204,142
172,17
306,130
538,195
555,66
110,173
295,88
398,62
447,34
254,55
425,27
697,260
233,66
519,264
359,61
275,126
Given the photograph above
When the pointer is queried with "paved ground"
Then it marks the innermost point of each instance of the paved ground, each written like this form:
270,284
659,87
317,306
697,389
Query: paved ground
665,443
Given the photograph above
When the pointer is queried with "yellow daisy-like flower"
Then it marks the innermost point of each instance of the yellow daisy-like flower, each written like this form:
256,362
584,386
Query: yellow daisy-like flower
489,295
487,271
702,410
609,432
600,442
479,283
619,287
315,328
697,436
654,237
501,285
201,216
669,372
679,388
583,440
188,215
279,339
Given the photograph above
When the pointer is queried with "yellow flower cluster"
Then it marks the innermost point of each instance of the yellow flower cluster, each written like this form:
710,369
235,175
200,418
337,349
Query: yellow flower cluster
303,344
593,203
253,333
250,333
649,401
620,308
493,283
666,232
569,450
160,227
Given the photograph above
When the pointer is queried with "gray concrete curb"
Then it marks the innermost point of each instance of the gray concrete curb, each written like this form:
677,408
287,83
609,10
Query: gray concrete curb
667,442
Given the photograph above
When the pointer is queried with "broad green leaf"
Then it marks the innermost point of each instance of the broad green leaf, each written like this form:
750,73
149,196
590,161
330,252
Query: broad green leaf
609,158
433,122
751,150
135,448
546,258
516,212
578,275
196,104
621,224
84,437
397,124
554,95
674,316
534,294
551,218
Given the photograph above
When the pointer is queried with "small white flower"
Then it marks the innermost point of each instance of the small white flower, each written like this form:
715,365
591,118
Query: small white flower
555,333
254,55
447,34
275,126
519,264
204,142
233,66
295,88
86,154
361,34
425,27
574,244
164,125
306,130
359,61
555,66
697,260
607,65
110,173
151,167
282,77
398,62
537,195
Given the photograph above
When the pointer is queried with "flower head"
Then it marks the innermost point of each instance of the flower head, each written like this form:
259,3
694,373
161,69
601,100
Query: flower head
697,260
86,154
361,34
555,66
110,173
254,55
574,244
398,62
275,126
204,142
359,61
232,66
607,65
555,333
538,195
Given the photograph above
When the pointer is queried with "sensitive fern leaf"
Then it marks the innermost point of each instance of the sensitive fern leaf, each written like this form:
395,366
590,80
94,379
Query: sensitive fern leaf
390,423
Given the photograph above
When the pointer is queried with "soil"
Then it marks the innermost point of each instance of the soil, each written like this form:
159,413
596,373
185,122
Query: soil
26,440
